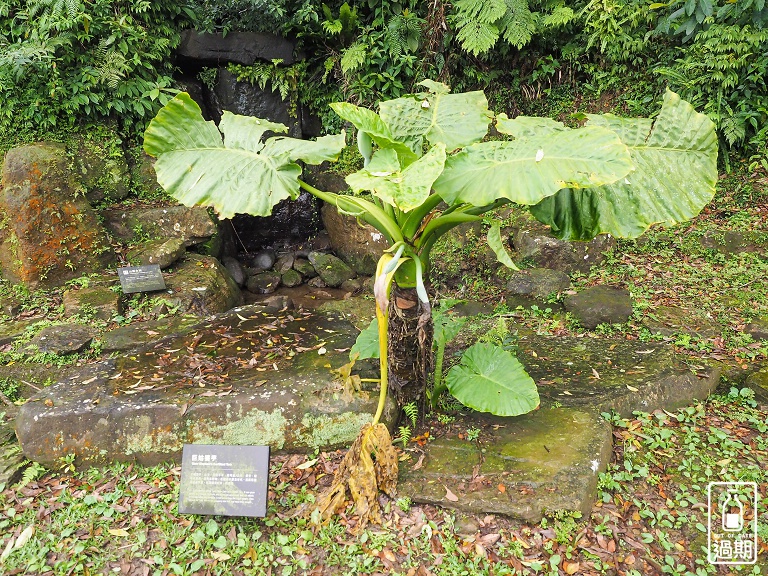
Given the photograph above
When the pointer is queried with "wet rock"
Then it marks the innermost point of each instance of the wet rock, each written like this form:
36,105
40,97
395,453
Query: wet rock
316,282
472,308
671,320
600,305
291,220
248,99
163,252
538,282
758,329
94,301
264,259
11,458
101,167
240,47
138,334
359,310
291,278
102,416
201,285
10,331
736,241
542,464
277,303
550,459
48,235
63,339
533,241
10,305
263,283
235,270
304,267
192,225
284,263
353,285
359,245
331,269
143,176
758,383
631,375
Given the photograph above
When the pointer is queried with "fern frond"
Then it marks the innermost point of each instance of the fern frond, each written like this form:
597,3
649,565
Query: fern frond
734,129
477,37
560,16
411,411
405,435
30,474
519,23
353,57
333,27
483,11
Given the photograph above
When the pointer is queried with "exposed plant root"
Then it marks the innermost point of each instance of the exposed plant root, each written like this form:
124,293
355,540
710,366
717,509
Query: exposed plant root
370,465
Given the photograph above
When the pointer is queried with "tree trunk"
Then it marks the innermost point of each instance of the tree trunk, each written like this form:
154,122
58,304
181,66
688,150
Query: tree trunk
409,347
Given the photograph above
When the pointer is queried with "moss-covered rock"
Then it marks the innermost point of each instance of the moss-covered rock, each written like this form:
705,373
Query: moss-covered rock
93,302
600,305
163,252
146,404
522,467
48,234
201,285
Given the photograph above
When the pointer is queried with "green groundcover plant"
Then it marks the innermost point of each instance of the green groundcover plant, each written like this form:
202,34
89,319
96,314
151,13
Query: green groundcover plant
428,167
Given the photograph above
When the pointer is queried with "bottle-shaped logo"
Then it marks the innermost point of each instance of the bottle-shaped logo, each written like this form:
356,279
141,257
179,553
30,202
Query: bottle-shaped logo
733,513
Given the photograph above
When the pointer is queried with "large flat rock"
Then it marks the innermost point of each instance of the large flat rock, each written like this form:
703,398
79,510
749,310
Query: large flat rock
606,374
550,459
245,377
521,467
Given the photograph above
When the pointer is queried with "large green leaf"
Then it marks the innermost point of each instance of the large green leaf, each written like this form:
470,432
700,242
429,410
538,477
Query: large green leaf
407,188
367,342
675,176
455,120
372,124
529,169
242,174
490,379
527,126
497,245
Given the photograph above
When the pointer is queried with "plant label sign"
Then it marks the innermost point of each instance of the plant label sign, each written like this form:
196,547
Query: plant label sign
147,278
224,480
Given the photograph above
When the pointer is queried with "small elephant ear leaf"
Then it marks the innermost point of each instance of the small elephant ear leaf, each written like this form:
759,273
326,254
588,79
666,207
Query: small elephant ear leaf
490,379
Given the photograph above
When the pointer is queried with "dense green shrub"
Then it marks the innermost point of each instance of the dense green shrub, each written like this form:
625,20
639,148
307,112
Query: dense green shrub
62,61
713,52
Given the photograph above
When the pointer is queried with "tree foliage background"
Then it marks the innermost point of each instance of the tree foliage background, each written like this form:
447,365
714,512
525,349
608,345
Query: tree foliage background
63,61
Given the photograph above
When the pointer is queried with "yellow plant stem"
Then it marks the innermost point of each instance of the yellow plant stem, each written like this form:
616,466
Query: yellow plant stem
381,289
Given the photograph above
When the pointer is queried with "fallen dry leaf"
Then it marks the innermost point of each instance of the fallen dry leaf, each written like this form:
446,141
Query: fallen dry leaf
450,495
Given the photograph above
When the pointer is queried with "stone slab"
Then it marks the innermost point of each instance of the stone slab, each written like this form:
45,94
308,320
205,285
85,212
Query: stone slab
138,334
63,339
609,374
521,467
241,47
671,320
246,377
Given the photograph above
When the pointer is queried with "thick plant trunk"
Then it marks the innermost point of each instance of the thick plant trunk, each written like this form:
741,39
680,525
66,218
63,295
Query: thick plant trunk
409,347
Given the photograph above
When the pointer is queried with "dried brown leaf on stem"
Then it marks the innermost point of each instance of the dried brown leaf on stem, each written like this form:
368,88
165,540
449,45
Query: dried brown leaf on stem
369,466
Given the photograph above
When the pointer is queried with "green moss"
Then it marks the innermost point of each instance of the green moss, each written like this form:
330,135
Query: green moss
147,439
326,431
255,427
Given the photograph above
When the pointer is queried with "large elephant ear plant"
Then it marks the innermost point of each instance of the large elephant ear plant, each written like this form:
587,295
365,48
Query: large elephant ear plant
428,168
